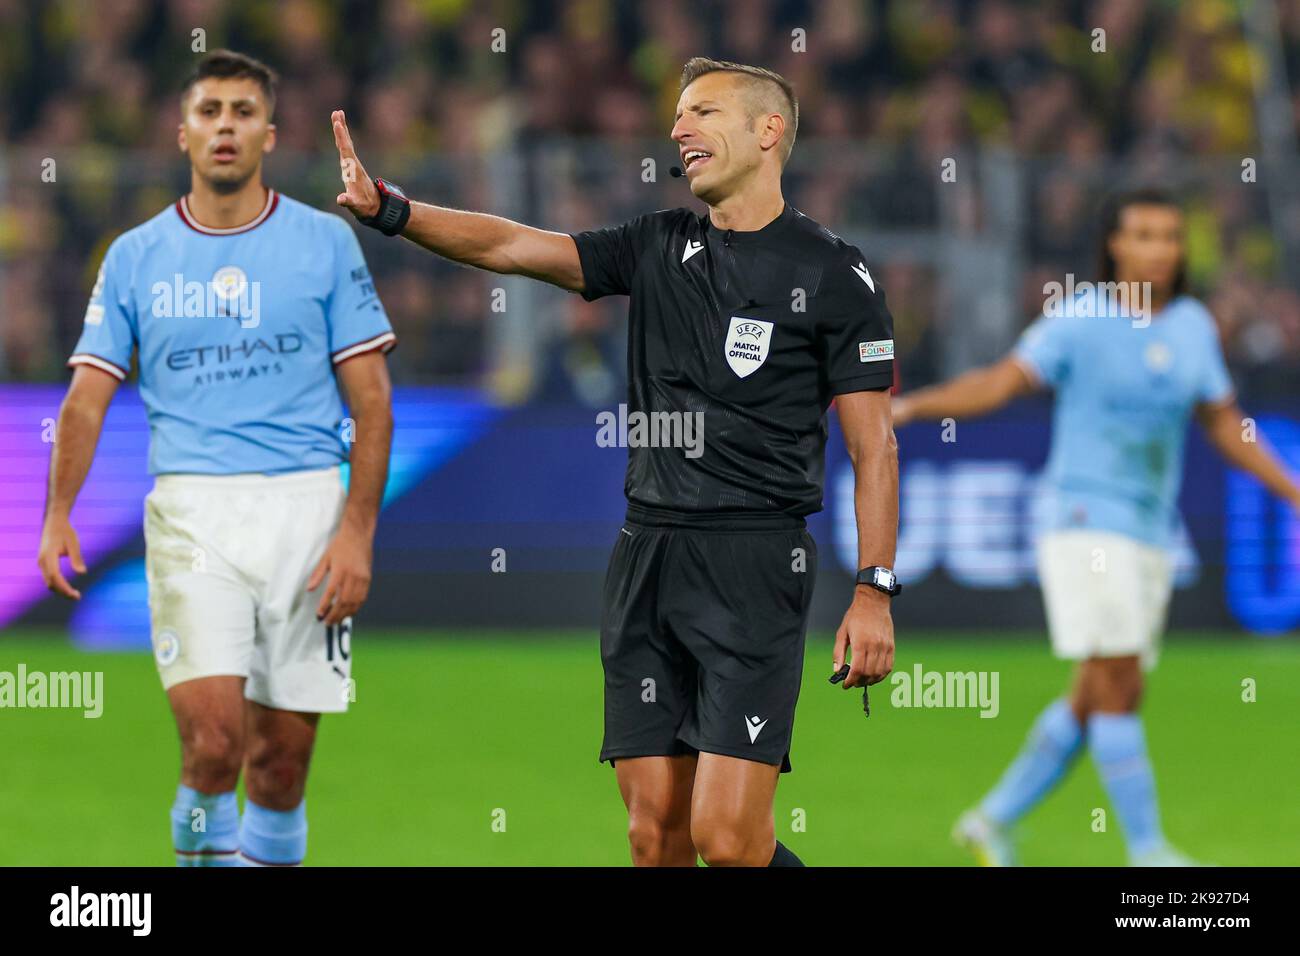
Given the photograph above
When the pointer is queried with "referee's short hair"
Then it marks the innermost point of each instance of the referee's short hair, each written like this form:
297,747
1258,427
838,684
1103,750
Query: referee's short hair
761,83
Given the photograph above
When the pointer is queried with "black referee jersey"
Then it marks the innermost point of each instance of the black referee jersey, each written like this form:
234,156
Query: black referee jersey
758,331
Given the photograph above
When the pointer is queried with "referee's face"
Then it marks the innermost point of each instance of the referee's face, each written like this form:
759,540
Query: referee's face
716,138
226,128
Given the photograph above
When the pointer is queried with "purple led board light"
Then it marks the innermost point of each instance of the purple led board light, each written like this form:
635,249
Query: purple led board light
109,510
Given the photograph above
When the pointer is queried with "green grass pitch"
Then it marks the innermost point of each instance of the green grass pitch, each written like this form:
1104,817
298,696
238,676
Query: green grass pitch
453,732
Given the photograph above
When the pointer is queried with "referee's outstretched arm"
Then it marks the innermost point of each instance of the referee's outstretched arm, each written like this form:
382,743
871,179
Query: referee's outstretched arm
476,239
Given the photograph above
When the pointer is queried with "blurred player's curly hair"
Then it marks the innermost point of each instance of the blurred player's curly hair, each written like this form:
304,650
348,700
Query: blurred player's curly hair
227,64
761,81
1111,212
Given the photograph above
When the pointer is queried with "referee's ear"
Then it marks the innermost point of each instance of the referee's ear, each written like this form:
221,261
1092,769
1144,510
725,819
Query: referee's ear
772,133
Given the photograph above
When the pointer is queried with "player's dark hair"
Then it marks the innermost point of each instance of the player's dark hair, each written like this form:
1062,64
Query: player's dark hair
227,64
697,66
1112,211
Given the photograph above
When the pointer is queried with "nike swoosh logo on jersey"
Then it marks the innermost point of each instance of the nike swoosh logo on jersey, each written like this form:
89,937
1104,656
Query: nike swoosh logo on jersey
860,270
692,247
754,727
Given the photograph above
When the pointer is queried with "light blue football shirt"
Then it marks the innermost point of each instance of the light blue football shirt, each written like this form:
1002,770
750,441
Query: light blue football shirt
1124,394
238,332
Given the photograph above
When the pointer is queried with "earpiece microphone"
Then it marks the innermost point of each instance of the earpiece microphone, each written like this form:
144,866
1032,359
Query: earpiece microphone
675,172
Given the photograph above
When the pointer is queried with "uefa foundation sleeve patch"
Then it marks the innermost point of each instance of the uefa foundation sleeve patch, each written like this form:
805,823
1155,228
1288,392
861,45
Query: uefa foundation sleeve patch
881,350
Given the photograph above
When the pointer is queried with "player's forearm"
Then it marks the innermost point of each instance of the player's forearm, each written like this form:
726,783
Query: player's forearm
473,238
369,465
969,395
76,435
1249,452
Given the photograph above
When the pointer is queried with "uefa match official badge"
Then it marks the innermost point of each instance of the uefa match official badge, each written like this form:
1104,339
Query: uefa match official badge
747,345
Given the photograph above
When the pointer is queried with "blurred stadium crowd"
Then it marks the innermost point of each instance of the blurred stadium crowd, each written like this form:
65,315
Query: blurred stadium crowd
888,89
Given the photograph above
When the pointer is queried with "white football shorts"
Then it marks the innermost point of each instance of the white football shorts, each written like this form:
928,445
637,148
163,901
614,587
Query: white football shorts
1106,594
228,558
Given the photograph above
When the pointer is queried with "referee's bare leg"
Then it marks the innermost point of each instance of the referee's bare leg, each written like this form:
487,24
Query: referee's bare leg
731,811
657,793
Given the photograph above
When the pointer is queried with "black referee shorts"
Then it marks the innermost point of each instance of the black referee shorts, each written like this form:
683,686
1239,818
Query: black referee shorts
702,639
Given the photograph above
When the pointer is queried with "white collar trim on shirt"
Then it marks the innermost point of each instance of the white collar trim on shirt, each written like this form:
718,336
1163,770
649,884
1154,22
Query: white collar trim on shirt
183,208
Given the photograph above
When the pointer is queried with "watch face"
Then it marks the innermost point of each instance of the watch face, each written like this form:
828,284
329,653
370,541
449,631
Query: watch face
884,578
394,189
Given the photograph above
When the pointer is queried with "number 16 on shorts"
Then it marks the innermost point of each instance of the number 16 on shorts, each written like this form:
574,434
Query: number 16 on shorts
338,647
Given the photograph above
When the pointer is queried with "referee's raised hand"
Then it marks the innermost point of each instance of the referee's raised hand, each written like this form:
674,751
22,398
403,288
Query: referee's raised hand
359,194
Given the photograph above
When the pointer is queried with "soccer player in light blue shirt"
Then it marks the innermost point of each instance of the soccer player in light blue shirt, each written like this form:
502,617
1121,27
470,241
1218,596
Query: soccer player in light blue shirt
247,313
1131,360
1124,389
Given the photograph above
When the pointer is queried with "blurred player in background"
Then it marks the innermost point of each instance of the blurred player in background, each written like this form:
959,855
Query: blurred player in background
248,312
708,592
1127,379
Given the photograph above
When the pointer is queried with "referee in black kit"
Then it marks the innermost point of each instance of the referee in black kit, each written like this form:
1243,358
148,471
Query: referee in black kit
756,317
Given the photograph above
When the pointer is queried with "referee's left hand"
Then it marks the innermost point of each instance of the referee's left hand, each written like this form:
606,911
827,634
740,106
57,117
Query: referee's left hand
347,562
359,194
868,631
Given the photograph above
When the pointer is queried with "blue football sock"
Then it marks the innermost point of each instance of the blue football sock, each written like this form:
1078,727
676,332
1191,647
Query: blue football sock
1052,746
205,828
1119,750
272,837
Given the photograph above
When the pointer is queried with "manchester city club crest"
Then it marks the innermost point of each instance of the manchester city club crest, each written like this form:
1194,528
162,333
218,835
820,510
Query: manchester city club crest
1158,357
229,282
166,648
747,344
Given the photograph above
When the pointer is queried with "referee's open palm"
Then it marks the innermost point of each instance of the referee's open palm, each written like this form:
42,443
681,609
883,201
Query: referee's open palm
359,193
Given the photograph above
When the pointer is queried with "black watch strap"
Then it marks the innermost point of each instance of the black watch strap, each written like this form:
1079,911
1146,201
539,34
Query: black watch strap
394,209
882,579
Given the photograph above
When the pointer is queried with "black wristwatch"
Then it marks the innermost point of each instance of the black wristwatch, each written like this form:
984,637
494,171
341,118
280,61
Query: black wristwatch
882,579
394,209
